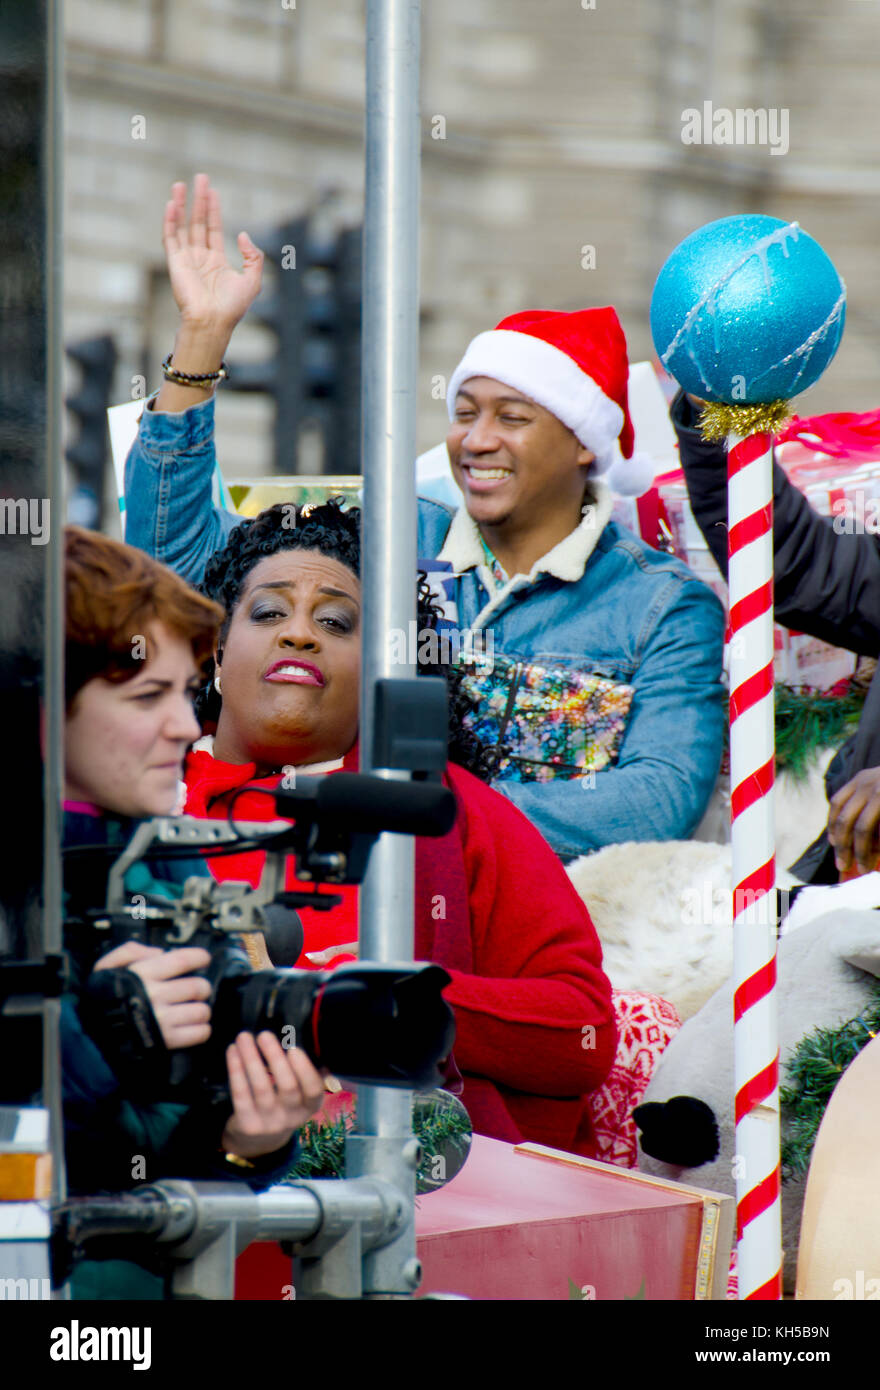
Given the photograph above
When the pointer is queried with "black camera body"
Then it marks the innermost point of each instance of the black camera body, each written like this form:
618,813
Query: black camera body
368,1023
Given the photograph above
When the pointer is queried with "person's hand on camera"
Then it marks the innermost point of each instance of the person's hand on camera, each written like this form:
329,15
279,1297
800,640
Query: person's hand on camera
274,1091
853,820
177,996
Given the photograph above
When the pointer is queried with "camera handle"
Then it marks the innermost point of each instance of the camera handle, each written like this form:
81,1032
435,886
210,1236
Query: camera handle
230,906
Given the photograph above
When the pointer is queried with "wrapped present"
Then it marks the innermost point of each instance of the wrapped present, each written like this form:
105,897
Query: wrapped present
544,721
527,1222
835,461
802,660
845,435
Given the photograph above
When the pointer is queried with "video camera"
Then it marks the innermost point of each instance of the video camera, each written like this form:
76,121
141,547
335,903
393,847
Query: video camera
374,1024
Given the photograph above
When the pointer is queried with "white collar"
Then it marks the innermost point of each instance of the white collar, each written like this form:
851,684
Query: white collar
567,560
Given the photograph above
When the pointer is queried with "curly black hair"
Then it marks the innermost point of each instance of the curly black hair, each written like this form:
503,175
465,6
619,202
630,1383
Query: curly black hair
464,747
329,528
332,529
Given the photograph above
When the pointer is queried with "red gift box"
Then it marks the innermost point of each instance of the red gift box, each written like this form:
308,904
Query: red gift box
527,1222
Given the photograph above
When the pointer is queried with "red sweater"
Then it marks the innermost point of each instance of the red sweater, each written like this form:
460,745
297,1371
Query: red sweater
534,1023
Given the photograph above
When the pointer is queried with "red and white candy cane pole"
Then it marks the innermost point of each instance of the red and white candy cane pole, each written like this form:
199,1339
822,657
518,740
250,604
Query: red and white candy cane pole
756,1048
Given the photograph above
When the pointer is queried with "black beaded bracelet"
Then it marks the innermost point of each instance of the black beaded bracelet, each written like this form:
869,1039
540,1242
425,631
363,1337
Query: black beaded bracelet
193,378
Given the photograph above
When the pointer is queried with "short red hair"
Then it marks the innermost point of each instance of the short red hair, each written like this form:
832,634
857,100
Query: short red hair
113,593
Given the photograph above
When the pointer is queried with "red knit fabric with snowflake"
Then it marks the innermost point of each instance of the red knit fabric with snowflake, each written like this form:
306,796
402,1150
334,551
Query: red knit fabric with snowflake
646,1024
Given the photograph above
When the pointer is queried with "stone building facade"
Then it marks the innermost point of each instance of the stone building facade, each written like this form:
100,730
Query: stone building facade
554,170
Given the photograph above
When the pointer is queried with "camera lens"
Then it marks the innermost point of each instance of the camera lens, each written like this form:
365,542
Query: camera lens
374,1025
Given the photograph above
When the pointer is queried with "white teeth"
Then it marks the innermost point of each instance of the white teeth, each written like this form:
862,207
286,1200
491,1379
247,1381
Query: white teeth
287,670
481,473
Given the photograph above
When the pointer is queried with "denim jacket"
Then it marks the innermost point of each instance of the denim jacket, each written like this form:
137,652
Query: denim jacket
629,613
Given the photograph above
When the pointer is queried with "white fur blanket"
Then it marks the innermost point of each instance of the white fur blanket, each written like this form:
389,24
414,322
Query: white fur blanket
662,909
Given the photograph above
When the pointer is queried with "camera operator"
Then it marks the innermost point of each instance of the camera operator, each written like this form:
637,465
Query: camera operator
136,637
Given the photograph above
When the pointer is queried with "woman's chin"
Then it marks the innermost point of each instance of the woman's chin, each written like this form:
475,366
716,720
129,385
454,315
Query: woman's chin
163,798
296,753
294,741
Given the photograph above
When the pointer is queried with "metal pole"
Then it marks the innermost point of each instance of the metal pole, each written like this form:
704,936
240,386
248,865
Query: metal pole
383,1144
53,638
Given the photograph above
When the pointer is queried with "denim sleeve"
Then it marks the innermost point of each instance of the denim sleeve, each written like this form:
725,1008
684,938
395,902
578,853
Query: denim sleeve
671,751
169,509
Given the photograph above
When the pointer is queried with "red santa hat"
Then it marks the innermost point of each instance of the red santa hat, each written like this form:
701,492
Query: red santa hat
574,365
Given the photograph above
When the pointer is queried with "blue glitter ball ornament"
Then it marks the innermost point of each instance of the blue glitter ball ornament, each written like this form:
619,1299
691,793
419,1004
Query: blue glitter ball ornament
746,310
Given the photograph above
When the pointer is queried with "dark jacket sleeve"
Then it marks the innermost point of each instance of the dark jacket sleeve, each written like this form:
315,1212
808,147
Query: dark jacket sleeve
827,582
193,1150
113,1142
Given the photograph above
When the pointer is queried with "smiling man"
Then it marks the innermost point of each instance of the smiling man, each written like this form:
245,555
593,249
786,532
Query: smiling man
603,696
604,693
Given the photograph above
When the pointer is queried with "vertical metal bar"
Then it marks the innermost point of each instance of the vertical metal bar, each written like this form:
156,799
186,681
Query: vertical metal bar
383,1142
390,347
53,631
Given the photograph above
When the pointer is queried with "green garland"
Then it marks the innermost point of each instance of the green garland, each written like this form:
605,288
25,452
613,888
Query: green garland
439,1130
441,1133
321,1150
807,720
814,1069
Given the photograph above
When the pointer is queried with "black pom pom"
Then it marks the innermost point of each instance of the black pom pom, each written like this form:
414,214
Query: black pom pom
682,1131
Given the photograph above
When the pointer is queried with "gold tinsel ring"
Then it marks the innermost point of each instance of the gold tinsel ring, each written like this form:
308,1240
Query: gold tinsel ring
765,417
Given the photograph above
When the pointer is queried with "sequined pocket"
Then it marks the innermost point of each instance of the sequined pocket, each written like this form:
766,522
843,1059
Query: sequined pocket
544,722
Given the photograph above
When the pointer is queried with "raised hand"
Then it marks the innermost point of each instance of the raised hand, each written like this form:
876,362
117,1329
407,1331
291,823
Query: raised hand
210,294
208,290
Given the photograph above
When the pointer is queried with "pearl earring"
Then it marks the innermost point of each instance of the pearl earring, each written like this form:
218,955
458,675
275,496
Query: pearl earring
217,684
